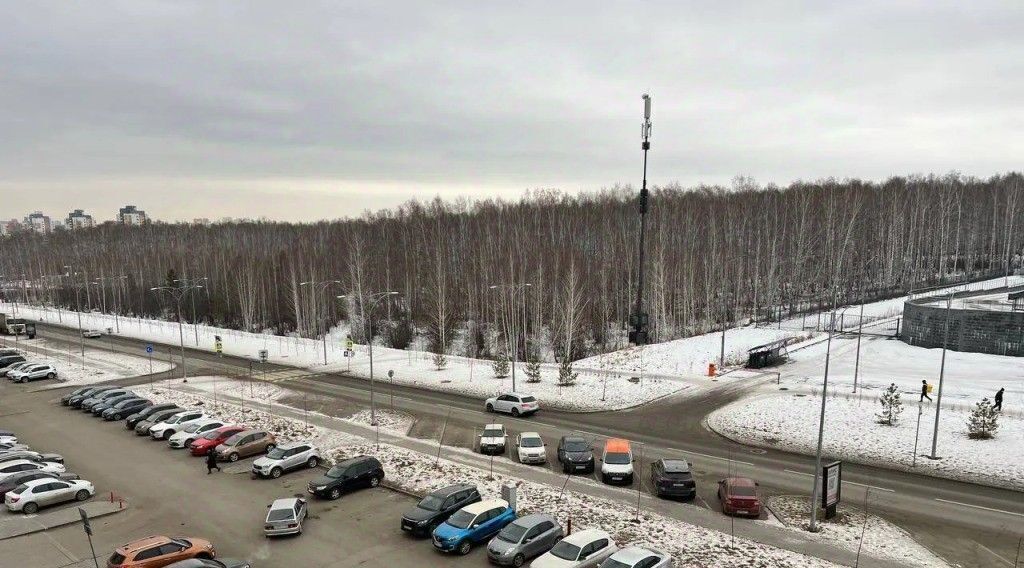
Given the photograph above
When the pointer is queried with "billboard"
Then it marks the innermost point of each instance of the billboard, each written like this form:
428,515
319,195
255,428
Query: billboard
833,475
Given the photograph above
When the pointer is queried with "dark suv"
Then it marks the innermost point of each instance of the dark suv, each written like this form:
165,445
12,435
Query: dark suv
361,471
436,507
672,478
575,454
145,413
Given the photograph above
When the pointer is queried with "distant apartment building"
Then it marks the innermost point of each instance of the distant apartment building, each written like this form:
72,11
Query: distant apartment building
131,215
9,227
39,223
79,219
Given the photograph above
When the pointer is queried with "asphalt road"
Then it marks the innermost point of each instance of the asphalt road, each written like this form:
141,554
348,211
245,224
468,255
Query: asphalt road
971,524
169,493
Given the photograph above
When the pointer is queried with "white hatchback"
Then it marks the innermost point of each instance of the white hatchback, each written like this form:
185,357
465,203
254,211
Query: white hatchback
164,430
8,469
32,495
193,431
531,448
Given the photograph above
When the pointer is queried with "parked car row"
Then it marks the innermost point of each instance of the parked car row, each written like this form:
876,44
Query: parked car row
17,368
457,518
31,480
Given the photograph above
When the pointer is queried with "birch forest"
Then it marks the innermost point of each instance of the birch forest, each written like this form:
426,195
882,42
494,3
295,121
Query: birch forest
459,269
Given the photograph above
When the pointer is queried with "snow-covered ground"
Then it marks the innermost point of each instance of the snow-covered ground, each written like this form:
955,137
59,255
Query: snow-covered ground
851,526
852,432
98,365
419,473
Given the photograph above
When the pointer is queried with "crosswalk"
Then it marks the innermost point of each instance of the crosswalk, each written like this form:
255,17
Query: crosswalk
283,375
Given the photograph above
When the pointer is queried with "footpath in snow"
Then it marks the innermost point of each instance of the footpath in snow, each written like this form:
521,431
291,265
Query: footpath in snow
419,472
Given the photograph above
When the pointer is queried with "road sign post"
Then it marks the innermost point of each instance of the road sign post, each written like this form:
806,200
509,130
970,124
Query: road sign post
149,351
218,346
391,384
88,533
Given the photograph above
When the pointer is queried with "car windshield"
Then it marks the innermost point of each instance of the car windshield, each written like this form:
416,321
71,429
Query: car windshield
565,551
742,491
281,515
275,454
512,533
580,446
532,442
612,563
493,433
431,503
211,435
528,399
337,471
617,458
461,519
234,440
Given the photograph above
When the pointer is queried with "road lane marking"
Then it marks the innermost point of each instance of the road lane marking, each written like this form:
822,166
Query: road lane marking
886,489
709,456
994,553
980,507
798,472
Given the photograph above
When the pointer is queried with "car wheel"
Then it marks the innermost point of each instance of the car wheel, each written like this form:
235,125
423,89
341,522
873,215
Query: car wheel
82,495
313,462
51,376
490,407
518,560
275,473
117,417
335,493
167,434
374,481
515,411
30,508
233,457
204,556
188,442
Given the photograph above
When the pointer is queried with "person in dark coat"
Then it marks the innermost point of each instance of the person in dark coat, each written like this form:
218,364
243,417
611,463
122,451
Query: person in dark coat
999,400
211,462
924,392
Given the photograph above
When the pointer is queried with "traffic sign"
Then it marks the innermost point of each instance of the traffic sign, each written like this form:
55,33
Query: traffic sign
85,521
149,348
263,355
348,343
391,373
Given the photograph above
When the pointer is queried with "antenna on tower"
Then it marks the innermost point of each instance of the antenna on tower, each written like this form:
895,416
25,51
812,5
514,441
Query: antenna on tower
638,320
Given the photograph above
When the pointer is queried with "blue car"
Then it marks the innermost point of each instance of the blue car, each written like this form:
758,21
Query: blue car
472,524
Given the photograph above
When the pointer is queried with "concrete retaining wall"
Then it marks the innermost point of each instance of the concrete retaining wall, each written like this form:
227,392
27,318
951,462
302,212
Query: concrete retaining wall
976,331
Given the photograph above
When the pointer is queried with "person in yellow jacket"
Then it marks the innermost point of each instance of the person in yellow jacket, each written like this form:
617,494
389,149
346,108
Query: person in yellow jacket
924,392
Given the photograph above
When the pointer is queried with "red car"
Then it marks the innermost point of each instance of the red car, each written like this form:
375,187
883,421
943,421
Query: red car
738,496
210,440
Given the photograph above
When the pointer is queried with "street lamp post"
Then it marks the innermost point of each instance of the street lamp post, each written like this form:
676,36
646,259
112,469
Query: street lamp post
178,293
821,421
195,321
514,289
323,285
78,286
374,300
942,376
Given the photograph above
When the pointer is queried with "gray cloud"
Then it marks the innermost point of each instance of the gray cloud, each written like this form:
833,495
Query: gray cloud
206,109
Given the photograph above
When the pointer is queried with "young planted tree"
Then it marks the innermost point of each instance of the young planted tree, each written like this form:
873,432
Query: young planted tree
532,370
982,424
892,406
500,366
566,376
440,360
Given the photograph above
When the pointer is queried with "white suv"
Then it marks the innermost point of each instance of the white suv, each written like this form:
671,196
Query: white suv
164,430
493,438
514,403
531,448
286,457
26,374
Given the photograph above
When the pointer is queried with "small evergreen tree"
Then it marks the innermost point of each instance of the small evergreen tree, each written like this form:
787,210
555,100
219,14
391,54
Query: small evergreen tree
982,424
533,371
892,406
500,366
566,376
440,360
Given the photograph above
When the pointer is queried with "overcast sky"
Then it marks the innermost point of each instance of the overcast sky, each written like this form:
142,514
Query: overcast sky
303,110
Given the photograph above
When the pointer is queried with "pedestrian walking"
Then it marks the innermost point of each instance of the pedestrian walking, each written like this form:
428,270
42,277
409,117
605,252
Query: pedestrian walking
999,400
211,462
924,392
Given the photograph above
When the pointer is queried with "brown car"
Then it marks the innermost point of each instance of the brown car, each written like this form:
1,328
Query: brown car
159,551
245,444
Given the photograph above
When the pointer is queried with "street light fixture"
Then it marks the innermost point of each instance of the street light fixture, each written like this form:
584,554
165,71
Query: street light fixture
178,293
368,315
78,286
195,321
514,288
323,285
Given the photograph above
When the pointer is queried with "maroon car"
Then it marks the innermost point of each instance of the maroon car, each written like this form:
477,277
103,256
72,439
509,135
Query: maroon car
738,496
210,440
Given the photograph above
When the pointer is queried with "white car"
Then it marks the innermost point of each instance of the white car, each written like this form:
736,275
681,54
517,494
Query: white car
26,374
32,495
164,430
92,333
8,469
531,448
286,457
584,549
16,367
285,516
514,403
193,431
493,439
636,557
11,455
9,441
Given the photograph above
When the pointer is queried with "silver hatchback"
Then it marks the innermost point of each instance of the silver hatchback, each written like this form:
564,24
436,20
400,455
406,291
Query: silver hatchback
524,538
285,516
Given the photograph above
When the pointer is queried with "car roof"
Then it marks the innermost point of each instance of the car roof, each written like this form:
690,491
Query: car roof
39,481
229,427
208,420
632,554
18,462
616,445
481,506
251,431
285,503
529,435
186,411
675,466
134,546
585,536
355,460
494,426
740,481
574,439
445,491
533,520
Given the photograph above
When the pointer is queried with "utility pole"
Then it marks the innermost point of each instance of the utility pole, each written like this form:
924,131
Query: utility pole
639,319
942,375
195,321
860,333
821,421
178,294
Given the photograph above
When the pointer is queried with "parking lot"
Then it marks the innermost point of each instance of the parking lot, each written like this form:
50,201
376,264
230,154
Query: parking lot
169,492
